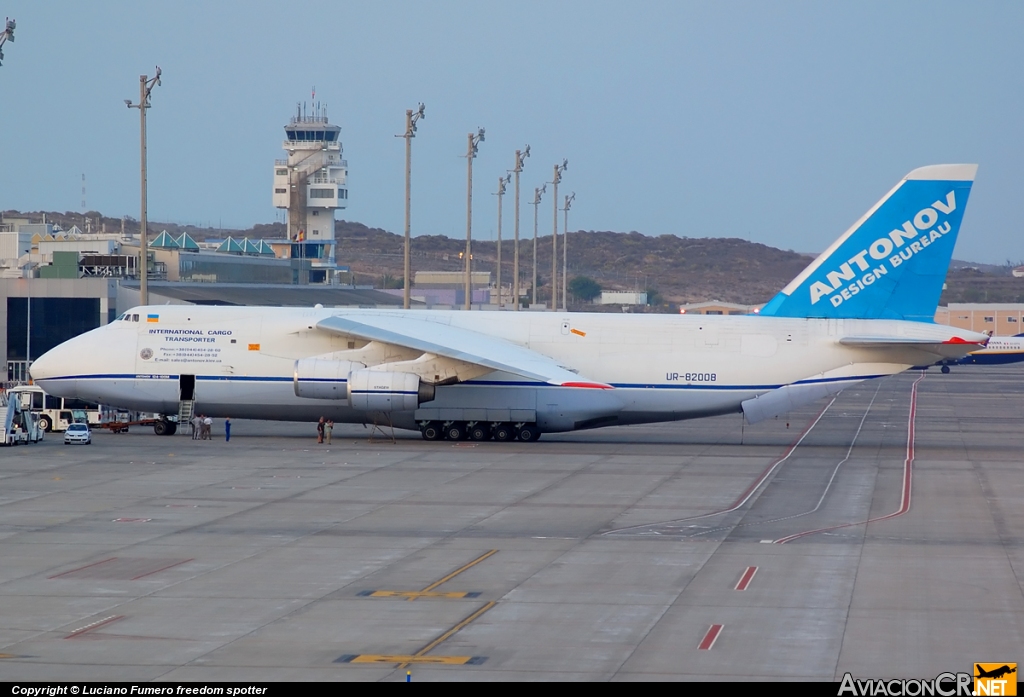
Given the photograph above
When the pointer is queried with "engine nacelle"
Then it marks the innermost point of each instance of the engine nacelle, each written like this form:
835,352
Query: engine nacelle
320,378
375,390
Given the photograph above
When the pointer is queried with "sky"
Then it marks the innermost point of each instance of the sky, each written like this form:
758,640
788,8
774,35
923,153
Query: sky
778,122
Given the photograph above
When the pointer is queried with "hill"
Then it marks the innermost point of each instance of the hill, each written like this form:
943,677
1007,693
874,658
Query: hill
678,269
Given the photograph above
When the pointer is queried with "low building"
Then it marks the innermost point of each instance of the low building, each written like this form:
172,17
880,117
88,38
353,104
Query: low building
715,307
1002,319
622,297
451,279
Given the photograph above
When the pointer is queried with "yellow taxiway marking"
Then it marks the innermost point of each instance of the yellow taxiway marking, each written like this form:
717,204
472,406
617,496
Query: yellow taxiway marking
412,595
406,660
450,633
458,571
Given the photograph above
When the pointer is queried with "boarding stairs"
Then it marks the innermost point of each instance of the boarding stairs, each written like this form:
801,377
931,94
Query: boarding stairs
186,410
8,409
17,425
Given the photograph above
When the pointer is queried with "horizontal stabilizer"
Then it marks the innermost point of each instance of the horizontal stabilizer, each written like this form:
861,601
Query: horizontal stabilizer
457,343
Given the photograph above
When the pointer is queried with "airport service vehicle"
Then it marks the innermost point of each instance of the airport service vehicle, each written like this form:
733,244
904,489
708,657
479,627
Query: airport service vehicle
17,424
55,413
78,433
863,309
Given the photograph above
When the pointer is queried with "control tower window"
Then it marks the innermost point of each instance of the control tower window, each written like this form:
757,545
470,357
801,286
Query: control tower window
290,134
319,135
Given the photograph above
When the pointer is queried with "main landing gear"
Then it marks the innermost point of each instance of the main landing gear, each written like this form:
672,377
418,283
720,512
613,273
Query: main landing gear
478,431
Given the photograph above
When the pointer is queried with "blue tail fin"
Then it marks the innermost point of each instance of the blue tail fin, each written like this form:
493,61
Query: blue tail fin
892,263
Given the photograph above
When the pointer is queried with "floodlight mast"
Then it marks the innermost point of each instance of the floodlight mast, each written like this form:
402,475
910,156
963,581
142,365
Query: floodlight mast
502,183
146,86
559,170
410,132
565,249
537,193
6,35
521,156
474,144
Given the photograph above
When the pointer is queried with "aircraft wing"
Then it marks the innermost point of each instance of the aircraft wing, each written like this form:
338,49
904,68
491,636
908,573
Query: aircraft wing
459,344
952,348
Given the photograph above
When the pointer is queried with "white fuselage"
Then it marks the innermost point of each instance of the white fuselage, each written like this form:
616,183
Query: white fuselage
661,367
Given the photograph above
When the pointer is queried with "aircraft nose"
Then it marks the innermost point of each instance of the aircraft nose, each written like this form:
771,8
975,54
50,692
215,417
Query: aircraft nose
46,366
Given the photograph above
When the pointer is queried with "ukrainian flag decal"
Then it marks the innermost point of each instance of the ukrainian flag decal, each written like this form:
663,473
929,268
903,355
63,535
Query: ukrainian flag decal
152,318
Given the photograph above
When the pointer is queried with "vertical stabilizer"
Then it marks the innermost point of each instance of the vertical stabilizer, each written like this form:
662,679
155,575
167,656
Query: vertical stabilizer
892,263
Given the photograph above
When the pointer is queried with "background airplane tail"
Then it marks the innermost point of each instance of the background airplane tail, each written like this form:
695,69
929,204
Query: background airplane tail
892,263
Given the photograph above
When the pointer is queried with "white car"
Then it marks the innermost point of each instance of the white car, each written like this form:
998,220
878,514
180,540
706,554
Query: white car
78,433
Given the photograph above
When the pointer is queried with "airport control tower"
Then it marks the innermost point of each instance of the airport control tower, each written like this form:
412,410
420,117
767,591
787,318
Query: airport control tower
311,184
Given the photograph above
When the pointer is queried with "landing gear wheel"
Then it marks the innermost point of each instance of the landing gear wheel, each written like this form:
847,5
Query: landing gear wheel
44,423
160,428
480,431
945,369
455,431
504,432
172,428
432,431
529,433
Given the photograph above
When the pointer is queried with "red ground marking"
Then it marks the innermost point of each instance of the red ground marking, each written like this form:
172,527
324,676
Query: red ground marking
749,491
162,568
95,563
709,639
908,477
746,578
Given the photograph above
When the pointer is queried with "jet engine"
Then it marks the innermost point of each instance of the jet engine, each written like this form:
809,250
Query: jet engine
377,390
321,378
369,390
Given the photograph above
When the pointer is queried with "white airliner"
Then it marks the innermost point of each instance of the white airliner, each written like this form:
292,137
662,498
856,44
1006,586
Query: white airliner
999,350
862,309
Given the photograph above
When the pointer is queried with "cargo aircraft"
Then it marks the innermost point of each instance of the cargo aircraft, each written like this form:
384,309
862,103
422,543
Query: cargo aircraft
863,309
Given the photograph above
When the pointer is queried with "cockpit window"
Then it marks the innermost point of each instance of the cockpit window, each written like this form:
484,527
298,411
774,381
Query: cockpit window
135,318
121,317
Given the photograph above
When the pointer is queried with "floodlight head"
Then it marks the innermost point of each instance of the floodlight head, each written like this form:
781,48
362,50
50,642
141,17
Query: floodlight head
565,165
421,112
526,153
128,103
480,135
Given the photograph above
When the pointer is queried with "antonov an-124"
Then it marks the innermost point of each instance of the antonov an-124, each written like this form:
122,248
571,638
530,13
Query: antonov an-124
863,309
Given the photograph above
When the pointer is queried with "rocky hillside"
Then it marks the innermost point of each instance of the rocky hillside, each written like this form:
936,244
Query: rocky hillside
679,269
